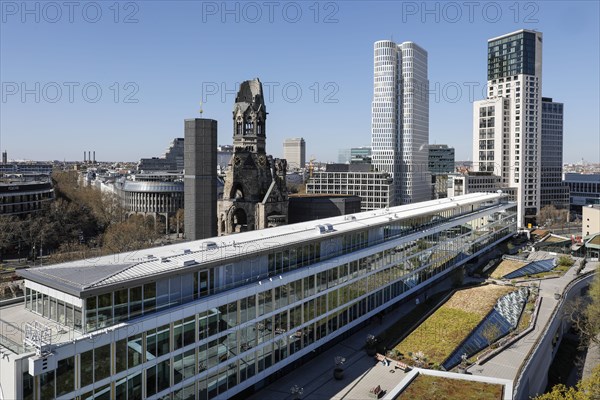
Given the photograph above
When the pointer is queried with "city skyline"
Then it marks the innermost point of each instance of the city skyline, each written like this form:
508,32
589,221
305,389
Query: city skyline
146,67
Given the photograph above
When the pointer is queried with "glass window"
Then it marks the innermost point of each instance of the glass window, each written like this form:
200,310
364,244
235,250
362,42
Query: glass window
213,353
27,386
175,291
162,294
163,372
121,355
105,310
86,368
102,393
134,387
120,301
203,283
149,297
101,362
134,351
52,313
121,389
38,301
60,312
187,288
47,385
77,318
151,381
69,315
178,335
162,340
45,306
151,344
202,326
213,323
65,376
187,393
189,331
135,302
271,264
231,316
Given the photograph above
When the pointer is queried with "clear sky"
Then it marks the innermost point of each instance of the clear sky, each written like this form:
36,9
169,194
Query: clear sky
155,61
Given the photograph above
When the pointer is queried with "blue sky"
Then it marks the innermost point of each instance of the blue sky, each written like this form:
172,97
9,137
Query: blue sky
154,61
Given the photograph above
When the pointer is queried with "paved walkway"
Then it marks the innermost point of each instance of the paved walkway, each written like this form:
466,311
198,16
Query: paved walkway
507,363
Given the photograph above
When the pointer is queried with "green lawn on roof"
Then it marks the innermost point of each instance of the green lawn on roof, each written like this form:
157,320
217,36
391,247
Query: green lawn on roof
427,387
446,328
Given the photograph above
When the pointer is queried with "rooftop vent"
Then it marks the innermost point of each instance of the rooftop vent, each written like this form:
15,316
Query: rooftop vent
320,229
187,263
209,245
350,218
329,227
187,251
164,259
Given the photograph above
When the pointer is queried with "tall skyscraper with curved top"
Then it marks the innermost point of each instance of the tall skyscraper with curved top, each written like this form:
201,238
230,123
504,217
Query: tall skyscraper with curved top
400,119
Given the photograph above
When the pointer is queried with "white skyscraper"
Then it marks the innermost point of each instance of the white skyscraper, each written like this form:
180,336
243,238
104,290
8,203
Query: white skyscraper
507,125
400,119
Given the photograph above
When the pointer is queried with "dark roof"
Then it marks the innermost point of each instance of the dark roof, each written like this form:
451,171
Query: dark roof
74,277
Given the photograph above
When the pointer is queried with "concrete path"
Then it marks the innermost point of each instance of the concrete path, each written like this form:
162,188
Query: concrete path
508,362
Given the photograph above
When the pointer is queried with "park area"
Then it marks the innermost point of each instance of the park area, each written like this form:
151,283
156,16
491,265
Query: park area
433,341
426,387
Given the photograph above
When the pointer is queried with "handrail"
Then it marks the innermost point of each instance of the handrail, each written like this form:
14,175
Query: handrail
545,329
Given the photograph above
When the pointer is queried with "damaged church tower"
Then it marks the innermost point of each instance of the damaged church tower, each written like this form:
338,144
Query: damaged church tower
255,193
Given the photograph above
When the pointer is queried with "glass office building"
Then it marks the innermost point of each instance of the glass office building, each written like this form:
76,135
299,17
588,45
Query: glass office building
212,318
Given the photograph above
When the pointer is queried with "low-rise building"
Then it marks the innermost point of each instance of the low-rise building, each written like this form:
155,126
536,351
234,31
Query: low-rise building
584,190
24,193
472,182
214,318
374,188
172,160
308,207
159,195
441,163
590,220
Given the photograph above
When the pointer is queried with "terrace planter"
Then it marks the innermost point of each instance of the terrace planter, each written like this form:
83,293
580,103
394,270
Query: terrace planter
338,374
371,351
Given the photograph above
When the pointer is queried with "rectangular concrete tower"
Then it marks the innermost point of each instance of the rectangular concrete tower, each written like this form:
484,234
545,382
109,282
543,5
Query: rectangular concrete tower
200,178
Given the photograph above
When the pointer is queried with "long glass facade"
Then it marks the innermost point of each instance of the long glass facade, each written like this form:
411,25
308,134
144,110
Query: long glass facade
221,340
210,353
